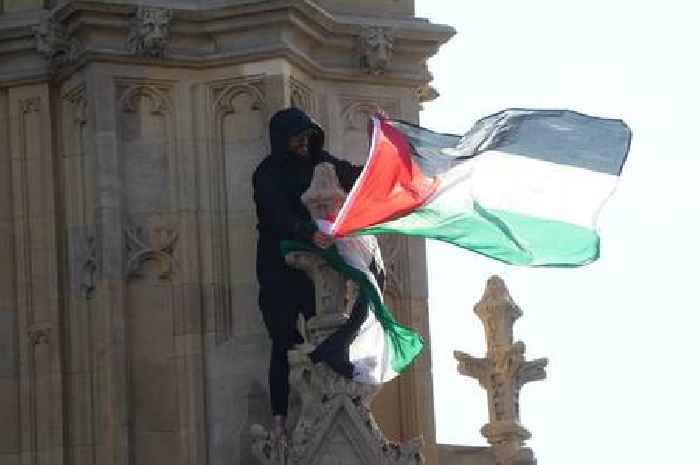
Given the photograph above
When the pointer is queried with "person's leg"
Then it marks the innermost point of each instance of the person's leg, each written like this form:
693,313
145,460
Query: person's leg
335,349
304,294
279,315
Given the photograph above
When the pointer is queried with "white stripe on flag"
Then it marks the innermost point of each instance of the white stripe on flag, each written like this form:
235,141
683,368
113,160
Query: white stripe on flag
542,189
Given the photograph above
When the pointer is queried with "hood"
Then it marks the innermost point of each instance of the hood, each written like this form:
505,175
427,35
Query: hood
290,122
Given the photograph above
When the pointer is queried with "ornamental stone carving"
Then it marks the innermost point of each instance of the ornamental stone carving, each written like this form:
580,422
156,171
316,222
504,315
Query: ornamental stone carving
335,424
159,246
426,92
376,49
39,333
30,105
149,31
55,45
503,372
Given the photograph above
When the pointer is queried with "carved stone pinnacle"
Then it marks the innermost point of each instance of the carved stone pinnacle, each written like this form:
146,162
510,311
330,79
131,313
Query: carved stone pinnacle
502,373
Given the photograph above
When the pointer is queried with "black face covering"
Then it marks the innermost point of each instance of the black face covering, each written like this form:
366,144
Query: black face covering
291,122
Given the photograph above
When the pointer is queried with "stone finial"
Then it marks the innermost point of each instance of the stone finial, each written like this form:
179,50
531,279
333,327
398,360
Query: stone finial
502,373
54,44
323,199
325,196
149,31
376,49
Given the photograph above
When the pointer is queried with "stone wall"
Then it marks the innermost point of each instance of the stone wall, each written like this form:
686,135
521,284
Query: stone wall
8,6
129,329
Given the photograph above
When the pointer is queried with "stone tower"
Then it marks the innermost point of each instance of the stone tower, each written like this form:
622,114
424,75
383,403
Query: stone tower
129,329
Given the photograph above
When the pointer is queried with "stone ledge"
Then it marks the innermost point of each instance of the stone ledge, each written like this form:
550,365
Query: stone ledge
323,44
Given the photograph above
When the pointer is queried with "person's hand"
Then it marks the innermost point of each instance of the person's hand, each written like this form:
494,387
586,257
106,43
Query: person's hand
322,240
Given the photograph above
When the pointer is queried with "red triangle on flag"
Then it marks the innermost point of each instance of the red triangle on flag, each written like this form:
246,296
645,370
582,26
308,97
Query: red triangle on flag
390,186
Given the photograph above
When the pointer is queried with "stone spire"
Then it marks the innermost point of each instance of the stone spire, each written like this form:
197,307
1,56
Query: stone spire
503,372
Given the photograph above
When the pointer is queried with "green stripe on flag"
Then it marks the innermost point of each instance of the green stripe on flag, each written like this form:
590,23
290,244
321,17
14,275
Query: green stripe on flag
404,343
510,237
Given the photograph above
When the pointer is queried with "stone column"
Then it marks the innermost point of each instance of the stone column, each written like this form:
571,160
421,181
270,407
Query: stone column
503,372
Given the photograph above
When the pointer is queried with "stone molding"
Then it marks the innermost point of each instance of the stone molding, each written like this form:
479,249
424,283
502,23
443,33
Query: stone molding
322,44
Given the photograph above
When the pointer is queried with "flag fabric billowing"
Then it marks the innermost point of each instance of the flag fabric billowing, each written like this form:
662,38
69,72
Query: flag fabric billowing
522,186
382,348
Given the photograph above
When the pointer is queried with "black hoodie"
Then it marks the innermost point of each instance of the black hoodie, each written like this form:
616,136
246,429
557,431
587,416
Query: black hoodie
278,183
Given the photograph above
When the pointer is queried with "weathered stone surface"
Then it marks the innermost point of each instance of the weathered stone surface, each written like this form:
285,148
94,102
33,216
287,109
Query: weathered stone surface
149,31
8,6
127,220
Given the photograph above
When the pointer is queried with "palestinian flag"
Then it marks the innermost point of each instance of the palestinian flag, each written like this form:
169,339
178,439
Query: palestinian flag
522,186
381,348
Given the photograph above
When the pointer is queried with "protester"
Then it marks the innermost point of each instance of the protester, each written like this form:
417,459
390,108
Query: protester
296,144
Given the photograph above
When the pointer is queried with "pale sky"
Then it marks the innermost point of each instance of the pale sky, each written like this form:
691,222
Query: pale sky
623,381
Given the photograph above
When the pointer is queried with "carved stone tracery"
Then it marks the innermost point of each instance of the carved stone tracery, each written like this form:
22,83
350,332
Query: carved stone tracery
302,97
227,98
356,110
156,95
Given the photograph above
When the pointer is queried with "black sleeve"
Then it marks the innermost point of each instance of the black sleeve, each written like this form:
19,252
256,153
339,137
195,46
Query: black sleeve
275,209
347,173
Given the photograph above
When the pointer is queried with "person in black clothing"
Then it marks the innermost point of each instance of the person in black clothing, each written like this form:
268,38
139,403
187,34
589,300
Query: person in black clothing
278,183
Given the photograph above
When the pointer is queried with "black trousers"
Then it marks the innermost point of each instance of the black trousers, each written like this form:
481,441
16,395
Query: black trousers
335,349
281,305
281,301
